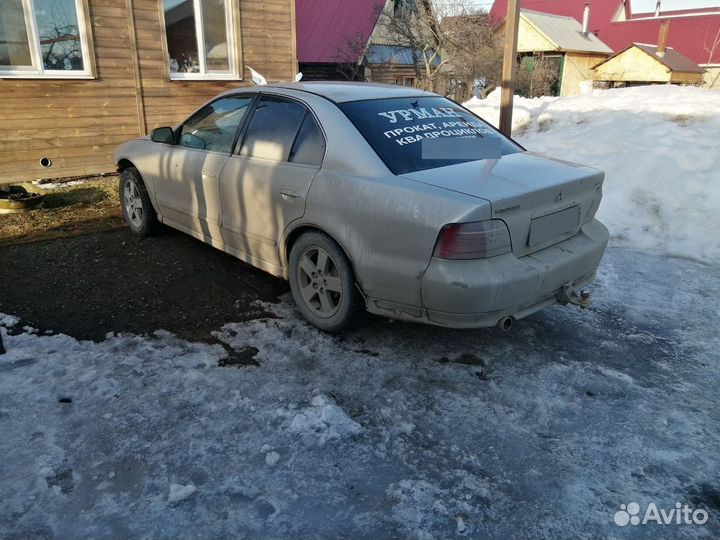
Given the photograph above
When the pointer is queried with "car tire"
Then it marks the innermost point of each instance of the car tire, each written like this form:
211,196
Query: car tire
323,283
137,208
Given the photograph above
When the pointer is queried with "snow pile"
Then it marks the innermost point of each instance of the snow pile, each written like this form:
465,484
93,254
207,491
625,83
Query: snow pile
8,321
178,492
325,420
271,458
659,147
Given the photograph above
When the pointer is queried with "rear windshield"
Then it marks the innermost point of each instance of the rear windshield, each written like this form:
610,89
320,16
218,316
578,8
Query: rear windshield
414,134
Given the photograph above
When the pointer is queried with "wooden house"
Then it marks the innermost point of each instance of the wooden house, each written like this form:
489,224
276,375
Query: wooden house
648,64
78,77
562,41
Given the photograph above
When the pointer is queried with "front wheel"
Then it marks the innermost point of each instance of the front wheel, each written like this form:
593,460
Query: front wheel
323,284
137,208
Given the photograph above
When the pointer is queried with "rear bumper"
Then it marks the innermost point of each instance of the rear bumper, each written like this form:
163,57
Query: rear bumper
477,293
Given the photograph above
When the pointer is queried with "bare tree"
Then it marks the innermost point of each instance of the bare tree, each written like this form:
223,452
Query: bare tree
455,47
414,24
475,51
537,76
349,58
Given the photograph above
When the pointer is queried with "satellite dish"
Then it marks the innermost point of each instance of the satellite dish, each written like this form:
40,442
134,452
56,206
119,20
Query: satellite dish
258,79
298,77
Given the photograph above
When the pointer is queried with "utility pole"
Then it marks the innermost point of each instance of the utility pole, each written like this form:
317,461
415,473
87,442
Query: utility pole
512,22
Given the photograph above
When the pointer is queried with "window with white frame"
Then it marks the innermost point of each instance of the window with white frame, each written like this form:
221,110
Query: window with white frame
43,38
200,39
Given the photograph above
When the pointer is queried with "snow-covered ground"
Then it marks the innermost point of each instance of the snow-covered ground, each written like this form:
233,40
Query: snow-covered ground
659,147
396,430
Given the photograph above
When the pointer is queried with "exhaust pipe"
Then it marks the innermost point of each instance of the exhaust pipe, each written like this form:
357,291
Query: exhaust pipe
505,324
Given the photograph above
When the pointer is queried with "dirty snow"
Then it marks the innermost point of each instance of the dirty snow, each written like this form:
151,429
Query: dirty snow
271,458
8,321
394,430
324,420
659,147
44,184
178,492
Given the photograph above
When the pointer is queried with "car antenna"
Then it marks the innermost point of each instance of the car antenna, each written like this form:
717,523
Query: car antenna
414,104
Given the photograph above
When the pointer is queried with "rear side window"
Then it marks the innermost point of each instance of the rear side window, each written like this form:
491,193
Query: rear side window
309,147
273,128
418,133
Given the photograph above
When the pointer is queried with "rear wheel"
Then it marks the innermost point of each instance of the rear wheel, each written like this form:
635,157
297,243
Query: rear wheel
137,208
323,284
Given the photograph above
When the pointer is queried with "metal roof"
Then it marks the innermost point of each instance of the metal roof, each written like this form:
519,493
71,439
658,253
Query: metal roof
672,59
334,31
564,33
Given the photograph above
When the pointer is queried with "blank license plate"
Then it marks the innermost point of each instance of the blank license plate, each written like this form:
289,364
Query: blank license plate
554,225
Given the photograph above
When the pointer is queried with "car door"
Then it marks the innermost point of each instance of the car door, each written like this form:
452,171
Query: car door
264,186
187,190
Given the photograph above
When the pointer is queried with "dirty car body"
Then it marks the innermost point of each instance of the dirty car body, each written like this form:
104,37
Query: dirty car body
443,219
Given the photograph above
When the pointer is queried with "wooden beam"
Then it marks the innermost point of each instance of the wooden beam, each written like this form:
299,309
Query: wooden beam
512,22
139,101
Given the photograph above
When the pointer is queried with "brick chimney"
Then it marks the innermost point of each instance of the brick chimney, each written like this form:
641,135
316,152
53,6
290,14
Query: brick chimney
662,38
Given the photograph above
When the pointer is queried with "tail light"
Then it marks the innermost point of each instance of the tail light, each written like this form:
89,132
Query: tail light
477,240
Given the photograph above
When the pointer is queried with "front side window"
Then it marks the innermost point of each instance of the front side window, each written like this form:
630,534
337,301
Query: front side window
272,129
43,38
214,126
200,40
417,133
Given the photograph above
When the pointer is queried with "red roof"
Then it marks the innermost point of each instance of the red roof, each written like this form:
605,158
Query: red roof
334,31
692,31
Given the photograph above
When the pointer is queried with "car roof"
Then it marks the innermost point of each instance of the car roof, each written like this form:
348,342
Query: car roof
340,92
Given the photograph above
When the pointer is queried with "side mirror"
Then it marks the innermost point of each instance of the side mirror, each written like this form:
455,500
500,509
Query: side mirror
163,135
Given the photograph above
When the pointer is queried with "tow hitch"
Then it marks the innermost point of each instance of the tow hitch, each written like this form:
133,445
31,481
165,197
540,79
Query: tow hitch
569,295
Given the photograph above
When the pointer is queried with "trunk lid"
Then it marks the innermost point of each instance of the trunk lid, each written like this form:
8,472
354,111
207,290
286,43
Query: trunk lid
542,200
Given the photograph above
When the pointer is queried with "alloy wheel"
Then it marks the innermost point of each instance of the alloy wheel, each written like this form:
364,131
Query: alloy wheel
320,282
133,203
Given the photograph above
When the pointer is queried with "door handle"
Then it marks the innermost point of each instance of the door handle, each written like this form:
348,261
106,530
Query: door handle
288,192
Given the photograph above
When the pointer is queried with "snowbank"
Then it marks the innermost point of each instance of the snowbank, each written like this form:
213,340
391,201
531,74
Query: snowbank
659,147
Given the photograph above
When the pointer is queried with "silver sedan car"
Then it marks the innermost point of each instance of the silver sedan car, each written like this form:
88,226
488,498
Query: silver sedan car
374,198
